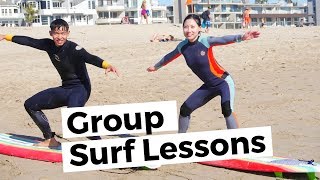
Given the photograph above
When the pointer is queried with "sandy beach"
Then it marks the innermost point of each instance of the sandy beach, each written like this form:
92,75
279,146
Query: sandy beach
276,79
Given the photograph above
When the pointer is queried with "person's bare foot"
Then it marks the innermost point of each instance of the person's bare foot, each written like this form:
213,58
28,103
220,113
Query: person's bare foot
51,143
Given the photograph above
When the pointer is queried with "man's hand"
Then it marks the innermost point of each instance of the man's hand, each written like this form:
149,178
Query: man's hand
2,37
111,69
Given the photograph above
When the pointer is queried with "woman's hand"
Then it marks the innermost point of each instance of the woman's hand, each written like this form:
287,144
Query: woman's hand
250,35
151,69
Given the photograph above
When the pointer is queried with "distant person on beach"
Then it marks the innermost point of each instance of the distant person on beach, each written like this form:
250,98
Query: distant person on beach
125,20
206,20
70,60
144,12
197,51
161,38
246,18
262,22
301,22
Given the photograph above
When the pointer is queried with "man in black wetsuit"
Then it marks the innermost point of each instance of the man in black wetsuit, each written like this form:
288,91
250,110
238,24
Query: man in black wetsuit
69,59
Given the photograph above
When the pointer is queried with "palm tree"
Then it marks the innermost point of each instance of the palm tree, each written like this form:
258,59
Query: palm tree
30,14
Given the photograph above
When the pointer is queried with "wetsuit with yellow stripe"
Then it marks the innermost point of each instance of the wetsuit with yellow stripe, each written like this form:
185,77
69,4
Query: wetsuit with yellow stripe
200,59
70,61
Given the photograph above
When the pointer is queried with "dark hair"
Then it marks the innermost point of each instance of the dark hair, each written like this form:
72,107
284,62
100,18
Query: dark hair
194,17
58,23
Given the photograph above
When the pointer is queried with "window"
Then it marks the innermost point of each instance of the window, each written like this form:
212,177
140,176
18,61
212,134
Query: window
43,4
114,15
105,15
89,4
134,3
100,3
44,20
157,14
32,4
37,19
288,21
15,10
56,4
258,9
93,5
10,12
223,8
48,3
235,8
285,9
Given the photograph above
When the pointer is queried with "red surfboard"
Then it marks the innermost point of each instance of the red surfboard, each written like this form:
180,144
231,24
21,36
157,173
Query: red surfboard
23,146
278,165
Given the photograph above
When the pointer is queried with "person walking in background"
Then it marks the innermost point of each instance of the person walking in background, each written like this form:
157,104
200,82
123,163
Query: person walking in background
206,20
144,12
246,18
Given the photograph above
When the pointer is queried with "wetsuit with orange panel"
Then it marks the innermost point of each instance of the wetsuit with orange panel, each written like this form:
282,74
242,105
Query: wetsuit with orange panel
200,59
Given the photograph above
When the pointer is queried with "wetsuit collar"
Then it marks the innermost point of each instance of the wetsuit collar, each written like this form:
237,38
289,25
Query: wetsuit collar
191,43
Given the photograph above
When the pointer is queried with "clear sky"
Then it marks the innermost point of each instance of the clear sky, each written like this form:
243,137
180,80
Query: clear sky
166,2
170,2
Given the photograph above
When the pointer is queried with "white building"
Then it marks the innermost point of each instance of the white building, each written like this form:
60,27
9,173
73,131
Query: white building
81,12
314,12
10,14
75,12
277,14
227,14
112,11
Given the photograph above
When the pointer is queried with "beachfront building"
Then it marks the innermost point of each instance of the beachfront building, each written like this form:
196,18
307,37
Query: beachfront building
227,14
75,12
314,12
10,14
112,11
169,14
277,14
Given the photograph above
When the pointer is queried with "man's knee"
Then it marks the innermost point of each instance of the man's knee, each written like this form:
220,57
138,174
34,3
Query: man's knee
28,104
226,109
185,110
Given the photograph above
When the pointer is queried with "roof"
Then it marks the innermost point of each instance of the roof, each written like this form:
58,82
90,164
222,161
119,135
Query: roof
6,2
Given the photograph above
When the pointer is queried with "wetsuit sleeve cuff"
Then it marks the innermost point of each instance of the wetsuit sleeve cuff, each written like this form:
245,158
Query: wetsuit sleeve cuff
105,65
239,38
157,66
9,37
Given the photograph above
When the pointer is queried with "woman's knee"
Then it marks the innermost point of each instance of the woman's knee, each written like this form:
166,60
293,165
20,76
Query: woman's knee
185,110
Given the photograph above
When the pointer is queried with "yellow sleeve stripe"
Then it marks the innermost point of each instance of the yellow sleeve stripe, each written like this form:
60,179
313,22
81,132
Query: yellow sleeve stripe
105,64
9,37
